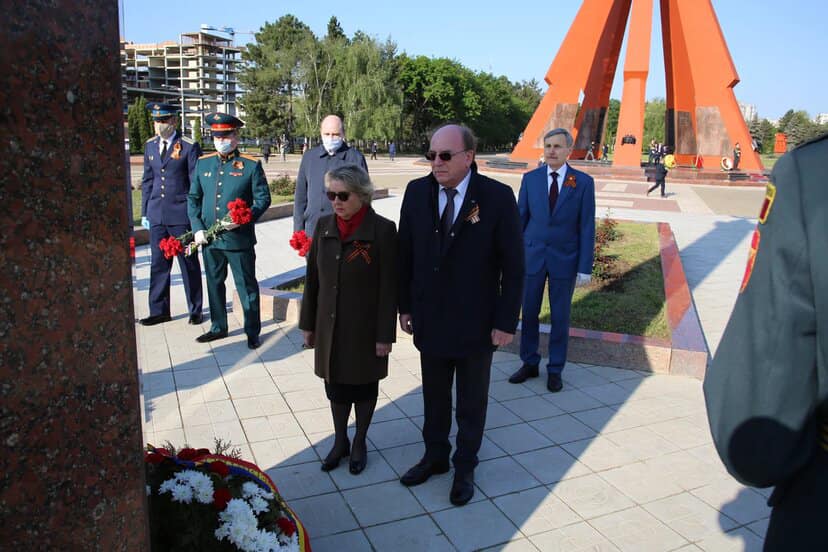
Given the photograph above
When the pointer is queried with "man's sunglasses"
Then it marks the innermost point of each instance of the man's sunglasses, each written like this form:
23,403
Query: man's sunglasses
443,155
343,196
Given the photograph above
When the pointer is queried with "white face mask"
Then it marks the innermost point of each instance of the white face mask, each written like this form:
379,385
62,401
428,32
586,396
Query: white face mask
332,144
224,145
164,130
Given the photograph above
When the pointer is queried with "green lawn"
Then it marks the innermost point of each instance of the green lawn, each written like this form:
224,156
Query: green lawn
769,159
136,204
634,302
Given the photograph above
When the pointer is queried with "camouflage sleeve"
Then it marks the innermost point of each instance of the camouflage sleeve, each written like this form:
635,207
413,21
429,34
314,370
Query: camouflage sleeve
761,386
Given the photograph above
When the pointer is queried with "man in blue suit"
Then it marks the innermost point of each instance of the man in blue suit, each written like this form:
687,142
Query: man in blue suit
557,214
169,162
461,278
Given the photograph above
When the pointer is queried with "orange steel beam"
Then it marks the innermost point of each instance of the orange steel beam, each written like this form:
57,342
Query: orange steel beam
636,70
703,117
566,77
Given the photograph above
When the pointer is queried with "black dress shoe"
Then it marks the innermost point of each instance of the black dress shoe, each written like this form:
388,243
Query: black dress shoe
196,319
422,471
332,460
523,373
153,320
554,383
211,336
253,343
462,490
358,461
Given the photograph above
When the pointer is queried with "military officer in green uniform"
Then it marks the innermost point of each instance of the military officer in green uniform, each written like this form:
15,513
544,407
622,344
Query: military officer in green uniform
220,178
767,388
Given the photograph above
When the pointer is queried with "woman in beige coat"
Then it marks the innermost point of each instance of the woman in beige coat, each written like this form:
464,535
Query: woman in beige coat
349,307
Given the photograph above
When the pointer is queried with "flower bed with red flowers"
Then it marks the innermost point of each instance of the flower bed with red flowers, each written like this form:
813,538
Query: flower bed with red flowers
204,501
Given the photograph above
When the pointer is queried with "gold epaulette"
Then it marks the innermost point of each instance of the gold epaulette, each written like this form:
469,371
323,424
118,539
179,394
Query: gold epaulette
205,156
187,139
248,157
150,139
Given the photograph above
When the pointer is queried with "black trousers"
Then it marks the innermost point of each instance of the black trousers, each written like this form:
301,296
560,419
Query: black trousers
656,185
472,400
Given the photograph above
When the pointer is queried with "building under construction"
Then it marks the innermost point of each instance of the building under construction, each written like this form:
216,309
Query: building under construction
199,72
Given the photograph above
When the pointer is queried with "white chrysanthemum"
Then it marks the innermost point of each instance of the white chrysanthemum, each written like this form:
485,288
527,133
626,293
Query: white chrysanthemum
182,493
257,504
250,489
188,484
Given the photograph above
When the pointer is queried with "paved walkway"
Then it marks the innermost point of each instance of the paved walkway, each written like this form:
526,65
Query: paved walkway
620,460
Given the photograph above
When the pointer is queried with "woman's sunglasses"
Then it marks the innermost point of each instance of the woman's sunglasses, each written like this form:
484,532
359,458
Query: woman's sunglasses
343,196
443,155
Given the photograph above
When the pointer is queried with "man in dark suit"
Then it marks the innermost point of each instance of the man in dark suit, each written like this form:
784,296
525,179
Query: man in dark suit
169,162
220,178
310,203
557,214
461,274
767,387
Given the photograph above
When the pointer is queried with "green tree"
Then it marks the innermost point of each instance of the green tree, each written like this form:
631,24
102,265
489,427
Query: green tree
613,112
197,131
654,118
271,76
135,143
798,127
335,31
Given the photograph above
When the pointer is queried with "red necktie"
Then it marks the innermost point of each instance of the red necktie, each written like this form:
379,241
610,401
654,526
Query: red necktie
553,193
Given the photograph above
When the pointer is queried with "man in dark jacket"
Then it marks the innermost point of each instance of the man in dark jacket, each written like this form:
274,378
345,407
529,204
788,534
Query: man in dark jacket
310,203
461,278
169,162
767,388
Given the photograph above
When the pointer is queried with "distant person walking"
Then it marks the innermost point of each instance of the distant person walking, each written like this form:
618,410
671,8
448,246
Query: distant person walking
266,151
660,179
392,150
374,149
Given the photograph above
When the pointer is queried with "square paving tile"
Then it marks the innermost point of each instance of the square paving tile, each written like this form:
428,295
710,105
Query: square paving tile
536,510
434,493
499,416
608,393
734,500
382,503
376,470
532,408
301,481
689,516
563,429
635,530
394,433
517,438
475,526
352,541
641,483
283,452
599,453
580,537
324,515
402,458
551,464
504,391
264,405
501,476
590,496
738,540
408,535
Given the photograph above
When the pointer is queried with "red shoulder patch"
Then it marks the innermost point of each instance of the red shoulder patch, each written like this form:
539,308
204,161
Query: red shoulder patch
754,249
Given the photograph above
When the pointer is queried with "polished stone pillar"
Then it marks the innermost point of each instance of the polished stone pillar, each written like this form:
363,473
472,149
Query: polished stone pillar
71,470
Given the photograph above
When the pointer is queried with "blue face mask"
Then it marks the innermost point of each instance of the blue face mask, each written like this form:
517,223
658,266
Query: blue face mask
223,145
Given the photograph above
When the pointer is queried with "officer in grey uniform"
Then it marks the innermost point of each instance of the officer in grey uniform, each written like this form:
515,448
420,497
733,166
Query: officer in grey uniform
767,388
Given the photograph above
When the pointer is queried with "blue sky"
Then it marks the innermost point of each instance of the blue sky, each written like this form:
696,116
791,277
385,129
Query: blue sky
779,48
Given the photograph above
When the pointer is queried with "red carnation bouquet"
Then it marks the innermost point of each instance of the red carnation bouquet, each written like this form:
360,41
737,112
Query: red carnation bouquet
238,212
204,501
300,242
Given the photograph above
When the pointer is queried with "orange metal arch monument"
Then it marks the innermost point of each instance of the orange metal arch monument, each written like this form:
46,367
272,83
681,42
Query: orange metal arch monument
703,118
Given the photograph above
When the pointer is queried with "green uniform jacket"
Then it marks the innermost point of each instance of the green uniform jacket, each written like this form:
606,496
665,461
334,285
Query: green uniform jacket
215,183
766,389
350,299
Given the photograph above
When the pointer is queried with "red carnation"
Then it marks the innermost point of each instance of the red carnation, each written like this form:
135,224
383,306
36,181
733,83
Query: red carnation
220,468
300,242
286,526
154,458
188,454
221,497
170,246
240,213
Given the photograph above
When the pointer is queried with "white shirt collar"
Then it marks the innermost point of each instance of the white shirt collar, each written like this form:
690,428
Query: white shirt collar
462,187
561,175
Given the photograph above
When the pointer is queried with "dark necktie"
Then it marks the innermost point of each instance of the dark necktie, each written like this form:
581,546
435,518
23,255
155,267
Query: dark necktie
447,219
164,150
553,193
